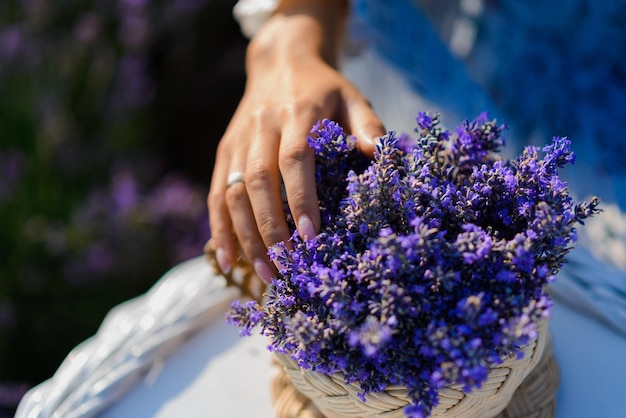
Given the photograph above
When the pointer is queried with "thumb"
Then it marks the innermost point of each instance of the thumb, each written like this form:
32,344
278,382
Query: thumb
365,125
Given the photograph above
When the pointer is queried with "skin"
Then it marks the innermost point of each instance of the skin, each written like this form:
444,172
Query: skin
292,82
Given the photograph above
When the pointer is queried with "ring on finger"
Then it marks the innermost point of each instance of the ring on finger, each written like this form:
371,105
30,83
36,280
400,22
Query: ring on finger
234,178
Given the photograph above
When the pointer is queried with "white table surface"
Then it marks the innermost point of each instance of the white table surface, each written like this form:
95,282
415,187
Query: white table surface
219,374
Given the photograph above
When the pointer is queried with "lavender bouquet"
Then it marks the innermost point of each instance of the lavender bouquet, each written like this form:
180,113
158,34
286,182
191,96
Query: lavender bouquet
432,260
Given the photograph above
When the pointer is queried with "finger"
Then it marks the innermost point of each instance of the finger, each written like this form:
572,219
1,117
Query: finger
297,166
219,217
264,191
364,124
245,228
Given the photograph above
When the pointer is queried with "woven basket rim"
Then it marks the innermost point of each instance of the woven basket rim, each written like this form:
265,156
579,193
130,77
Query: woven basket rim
335,398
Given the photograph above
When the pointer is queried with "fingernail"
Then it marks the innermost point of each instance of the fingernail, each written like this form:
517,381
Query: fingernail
279,265
264,271
223,260
305,227
368,139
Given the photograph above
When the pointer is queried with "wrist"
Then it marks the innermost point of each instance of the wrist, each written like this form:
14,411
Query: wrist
300,30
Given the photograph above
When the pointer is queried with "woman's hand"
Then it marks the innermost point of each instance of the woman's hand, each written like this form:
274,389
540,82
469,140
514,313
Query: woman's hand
292,83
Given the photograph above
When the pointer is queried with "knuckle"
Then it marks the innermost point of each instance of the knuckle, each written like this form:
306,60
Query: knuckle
225,152
295,154
261,117
235,196
257,176
374,126
224,147
298,198
215,200
298,108
220,228
268,228
251,245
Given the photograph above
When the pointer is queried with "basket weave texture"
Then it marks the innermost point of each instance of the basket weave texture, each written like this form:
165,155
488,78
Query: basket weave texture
299,393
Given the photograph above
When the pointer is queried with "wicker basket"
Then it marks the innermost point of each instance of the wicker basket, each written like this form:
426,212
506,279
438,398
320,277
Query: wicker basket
318,396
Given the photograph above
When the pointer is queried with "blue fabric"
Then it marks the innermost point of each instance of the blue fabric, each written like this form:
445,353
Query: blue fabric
546,68
406,38
560,69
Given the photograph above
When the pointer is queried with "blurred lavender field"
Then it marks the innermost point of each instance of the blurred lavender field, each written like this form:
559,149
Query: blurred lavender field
110,111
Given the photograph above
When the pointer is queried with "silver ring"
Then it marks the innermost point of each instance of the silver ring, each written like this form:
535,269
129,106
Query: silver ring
234,177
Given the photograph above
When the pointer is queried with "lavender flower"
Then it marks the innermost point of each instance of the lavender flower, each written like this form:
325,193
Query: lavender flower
247,316
10,40
431,263
122,226
78,87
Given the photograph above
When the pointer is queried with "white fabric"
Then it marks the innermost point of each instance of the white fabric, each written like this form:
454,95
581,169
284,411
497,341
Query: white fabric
593,287
251,14
134,339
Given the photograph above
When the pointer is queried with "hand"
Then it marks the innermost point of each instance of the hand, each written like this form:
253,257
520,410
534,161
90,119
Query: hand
291,85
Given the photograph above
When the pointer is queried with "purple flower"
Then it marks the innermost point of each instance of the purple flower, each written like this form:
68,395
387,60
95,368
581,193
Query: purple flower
431,262
246,316
11,393
424,121
474,243
371,337
125,191
88,28
11,39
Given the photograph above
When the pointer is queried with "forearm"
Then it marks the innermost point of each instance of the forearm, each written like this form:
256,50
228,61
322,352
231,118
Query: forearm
299,30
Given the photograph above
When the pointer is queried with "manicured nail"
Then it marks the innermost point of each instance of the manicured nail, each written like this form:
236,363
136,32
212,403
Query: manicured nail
305,227
279,266
223,260
264,271
369,139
